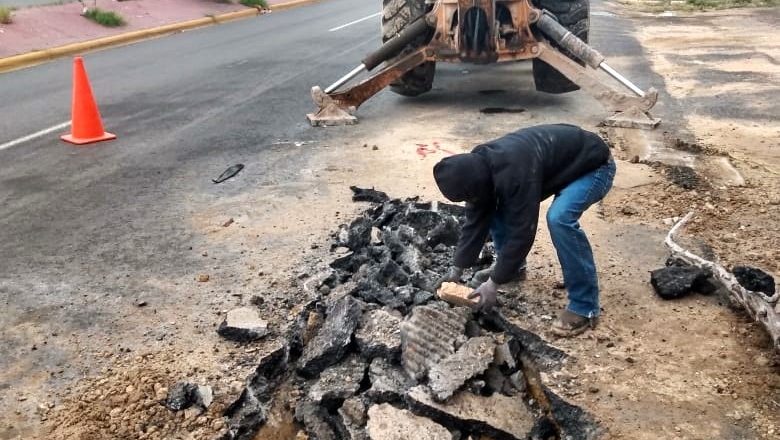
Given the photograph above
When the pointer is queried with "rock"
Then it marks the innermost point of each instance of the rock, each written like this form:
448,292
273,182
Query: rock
676,281
339,381
204,396
376,236
243,324
503,356
629,210
457,294
447,233
181,396
353,415
754,279
496,416
495,380
431,333
318,423
379,334
251,409
422,297
386,422
359,233
330,343
389,383
450,373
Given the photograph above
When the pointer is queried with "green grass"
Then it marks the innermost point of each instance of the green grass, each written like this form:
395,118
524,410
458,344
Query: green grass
6,15
255,3
105,18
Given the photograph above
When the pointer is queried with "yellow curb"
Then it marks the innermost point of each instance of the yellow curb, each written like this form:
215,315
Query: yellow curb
39,56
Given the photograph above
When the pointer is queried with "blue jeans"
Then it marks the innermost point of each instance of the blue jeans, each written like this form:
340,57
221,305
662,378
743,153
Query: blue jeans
571,243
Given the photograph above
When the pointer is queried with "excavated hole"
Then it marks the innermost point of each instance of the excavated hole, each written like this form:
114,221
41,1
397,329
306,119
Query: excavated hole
373,347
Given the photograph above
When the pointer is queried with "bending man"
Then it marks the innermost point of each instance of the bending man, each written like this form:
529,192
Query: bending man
503,183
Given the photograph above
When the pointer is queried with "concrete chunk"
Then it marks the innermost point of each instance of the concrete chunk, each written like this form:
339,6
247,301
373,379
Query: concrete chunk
495,416
330,343
471,359
243,324
386,422
432,333
379,334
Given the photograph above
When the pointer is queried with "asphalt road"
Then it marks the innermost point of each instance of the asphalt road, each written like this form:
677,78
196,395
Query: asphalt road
82,227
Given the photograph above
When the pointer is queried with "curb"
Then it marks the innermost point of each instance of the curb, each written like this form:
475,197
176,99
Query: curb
28,59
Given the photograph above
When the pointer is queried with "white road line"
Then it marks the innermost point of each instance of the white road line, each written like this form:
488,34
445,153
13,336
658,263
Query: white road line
354,22
37,134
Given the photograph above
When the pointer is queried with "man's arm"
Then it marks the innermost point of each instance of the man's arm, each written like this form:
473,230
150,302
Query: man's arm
521,217
473,234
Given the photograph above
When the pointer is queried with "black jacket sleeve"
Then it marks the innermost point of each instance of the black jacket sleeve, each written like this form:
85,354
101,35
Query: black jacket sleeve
473,234
520,211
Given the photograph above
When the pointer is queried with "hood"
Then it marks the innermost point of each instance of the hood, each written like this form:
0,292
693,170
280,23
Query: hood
464,177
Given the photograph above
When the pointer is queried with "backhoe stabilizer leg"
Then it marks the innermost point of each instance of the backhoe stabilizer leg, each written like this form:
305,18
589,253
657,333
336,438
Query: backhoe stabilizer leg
631,111
330,113
338,108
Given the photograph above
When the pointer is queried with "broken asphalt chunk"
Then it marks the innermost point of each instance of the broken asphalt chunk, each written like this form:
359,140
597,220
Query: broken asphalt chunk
318,423
243,325
450,373
250,410
354,415
330,343
339,381
181,396
676,281
368,195
497,416
389,382
754,279
386,422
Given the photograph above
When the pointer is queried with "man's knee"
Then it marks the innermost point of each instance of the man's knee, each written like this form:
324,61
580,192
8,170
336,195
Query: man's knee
560,219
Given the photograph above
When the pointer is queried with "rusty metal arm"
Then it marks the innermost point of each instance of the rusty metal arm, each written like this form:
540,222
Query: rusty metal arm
337,108
606,95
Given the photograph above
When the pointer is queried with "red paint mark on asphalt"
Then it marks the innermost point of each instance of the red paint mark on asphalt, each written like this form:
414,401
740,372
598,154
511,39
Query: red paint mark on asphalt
423,150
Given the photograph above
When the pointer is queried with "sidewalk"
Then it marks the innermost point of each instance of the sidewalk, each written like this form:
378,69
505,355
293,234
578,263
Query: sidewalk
44,27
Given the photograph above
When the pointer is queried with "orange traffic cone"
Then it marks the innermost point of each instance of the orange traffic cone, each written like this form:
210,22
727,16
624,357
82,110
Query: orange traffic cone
86,126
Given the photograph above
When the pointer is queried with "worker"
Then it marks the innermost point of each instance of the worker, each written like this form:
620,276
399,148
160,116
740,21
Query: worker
503,182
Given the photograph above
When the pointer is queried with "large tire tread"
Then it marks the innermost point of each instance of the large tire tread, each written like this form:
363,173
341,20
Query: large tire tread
575,16
396,15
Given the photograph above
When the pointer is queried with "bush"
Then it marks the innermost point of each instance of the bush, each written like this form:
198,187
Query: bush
5,15
255,3
105,18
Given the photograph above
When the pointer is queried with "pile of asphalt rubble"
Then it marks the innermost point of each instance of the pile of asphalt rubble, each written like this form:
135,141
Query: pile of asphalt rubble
678,279
375,355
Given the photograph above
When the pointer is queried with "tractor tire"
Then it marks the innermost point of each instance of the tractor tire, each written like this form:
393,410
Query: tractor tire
396,15
574,15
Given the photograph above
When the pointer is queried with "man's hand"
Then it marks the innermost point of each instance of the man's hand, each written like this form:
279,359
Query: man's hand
487,293
452,276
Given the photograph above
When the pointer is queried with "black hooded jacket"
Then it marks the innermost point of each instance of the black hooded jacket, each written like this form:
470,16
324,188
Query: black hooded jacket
509,177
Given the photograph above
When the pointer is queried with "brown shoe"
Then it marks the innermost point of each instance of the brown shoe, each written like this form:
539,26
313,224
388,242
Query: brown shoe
570,324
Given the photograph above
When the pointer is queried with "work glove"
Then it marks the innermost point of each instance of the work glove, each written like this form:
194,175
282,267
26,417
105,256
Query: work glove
487,293
452,276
